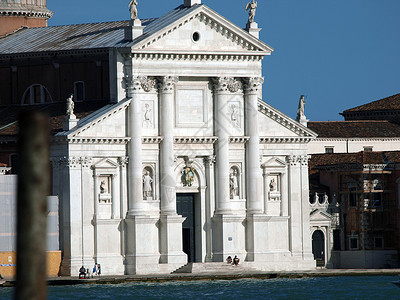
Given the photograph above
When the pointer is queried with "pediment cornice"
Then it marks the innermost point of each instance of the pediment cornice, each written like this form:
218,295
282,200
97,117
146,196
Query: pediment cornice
214,21
303,133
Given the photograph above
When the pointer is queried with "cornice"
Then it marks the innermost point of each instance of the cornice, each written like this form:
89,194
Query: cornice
21,12
98,140
152,139
365,139
196,56
285,140
52,54
195,140
238,139
215,22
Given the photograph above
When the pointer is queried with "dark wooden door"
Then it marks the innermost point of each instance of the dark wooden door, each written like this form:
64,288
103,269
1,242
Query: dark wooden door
185,208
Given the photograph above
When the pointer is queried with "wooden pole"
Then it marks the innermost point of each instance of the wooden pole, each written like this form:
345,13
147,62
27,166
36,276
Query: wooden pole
33,187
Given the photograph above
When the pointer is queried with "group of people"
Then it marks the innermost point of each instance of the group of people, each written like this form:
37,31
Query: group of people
234,261
85,273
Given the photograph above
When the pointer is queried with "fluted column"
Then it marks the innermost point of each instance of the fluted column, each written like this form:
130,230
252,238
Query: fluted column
284,195
114,197
167,176
254,177
266,190
96,195
135,147
222,94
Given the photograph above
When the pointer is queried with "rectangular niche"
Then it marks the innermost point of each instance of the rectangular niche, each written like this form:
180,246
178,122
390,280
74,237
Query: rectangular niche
191,106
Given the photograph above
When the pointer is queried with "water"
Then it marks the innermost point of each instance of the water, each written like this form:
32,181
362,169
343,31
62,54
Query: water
360,287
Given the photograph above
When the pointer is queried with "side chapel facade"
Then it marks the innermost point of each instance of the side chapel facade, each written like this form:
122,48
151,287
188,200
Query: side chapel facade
185,163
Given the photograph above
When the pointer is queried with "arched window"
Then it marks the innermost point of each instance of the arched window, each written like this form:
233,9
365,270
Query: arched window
36,94
79,91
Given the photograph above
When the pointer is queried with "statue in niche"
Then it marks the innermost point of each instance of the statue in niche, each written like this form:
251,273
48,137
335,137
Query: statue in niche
147,116
234,115
133,9
147,185
251,7
272,185
300,110
187,176
103,188
233,184
70,106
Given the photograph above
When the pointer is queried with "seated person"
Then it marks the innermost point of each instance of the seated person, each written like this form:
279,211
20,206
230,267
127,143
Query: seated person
82,272
236,260
229,259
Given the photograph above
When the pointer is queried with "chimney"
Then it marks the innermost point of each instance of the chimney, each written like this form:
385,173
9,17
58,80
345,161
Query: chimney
190,3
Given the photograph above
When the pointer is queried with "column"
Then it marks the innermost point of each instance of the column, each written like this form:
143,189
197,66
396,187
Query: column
210,204
135,148
222,94
266,190
167,178
305,209
170,222
254,180
295,226
114,197
122,161
284,195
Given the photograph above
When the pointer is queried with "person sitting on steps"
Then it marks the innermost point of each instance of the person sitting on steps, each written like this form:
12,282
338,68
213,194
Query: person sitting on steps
82,272
229,259
236,260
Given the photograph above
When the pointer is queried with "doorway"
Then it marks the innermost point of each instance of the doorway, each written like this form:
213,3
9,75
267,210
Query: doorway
185,208
318,248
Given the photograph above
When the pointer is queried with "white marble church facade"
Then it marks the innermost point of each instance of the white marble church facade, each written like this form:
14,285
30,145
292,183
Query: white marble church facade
188,163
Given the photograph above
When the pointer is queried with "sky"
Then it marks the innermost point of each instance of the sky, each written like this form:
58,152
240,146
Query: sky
339,54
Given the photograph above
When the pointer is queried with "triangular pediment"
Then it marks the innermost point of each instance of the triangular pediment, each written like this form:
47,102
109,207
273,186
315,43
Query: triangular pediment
276,127
274,163
320,215
198,30
105,164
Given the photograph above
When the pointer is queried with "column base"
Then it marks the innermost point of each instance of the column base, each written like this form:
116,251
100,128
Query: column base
228,237
142,254
171,241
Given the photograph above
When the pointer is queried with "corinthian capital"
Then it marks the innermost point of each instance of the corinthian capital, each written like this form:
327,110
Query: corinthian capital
168,82
227,84
253,84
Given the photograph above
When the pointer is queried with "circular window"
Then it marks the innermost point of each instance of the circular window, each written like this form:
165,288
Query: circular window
196,36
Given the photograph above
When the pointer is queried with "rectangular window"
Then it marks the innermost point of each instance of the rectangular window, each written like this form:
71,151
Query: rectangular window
368,149
79,91
353,199
336,240
328,149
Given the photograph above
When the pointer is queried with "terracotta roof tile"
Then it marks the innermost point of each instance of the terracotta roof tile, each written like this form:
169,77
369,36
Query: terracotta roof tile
359,158
388,103
355,129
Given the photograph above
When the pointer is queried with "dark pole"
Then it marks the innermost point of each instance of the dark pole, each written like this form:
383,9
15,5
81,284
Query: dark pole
33,187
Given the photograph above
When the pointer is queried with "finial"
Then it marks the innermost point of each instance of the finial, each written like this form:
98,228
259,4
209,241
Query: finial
133,9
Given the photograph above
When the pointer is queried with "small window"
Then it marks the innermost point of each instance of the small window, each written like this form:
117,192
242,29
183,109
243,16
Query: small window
353,243
79,91
328,149
353,199
196,36
36,94
368,149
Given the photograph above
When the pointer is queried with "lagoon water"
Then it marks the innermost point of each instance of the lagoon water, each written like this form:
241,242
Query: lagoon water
352,287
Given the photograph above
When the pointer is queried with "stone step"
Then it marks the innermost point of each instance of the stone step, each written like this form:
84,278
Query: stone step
215,268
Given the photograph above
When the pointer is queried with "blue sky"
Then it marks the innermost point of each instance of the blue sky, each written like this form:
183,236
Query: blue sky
340,54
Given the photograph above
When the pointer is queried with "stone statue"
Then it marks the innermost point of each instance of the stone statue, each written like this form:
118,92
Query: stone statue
103,189
133,9
233,184
70,106
272,185
234,115
300,110
147,181
251,7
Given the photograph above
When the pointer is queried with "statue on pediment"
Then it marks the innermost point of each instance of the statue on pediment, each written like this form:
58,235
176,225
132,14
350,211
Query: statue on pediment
70,106
300,110
133,9
251,7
